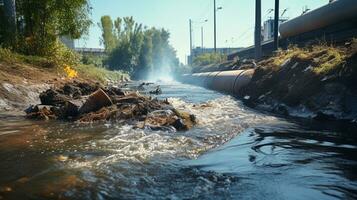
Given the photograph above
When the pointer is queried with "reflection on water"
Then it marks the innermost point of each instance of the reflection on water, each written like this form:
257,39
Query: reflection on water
234,152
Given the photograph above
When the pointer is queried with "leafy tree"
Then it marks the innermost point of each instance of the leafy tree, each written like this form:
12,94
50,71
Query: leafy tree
145,64
209,58
42,22
129,39
109,39
139,51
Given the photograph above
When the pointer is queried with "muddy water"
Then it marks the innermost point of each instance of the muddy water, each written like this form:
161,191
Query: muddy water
233,153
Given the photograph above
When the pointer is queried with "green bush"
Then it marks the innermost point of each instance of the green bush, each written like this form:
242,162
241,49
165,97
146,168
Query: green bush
95,60
60,55
100,74
209,58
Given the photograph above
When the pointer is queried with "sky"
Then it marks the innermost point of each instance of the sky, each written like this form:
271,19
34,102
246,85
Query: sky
235,21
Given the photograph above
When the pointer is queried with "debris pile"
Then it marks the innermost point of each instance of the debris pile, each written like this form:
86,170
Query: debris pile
85,103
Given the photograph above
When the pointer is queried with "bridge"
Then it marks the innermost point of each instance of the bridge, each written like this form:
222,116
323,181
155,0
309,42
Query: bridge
91,51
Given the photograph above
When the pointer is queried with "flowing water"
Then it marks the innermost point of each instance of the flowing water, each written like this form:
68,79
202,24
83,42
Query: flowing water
233,153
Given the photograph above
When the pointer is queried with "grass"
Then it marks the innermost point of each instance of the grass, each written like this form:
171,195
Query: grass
89,72
323,58
99,74
10,57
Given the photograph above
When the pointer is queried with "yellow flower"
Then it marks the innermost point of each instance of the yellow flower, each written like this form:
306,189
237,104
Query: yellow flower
71,73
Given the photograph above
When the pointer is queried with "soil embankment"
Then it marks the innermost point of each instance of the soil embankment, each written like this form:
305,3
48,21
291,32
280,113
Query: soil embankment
20,85
317,82
49,94
21,82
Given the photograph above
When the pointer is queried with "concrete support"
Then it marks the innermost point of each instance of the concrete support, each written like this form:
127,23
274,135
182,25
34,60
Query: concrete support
190,60
276,25
258,30
215,26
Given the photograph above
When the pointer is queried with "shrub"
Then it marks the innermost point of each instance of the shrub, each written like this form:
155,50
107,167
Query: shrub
209,58
324,59
100,74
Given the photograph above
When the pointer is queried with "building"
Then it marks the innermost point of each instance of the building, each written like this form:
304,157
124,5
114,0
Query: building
199,51
268,28
91,51
69,42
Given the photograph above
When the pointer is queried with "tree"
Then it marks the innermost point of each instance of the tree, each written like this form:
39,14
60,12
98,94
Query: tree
129,37
109,39
139,51
42,22
145,65
209,58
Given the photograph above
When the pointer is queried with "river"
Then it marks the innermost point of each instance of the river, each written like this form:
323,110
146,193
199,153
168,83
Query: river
233,153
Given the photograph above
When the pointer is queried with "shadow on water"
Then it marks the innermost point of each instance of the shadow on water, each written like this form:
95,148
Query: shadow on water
233,153
287,161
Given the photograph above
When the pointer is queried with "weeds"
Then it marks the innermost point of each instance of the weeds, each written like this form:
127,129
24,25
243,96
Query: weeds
324,59
100,74
74,69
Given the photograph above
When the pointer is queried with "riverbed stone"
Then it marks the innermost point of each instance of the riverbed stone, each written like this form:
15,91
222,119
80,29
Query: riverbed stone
110,103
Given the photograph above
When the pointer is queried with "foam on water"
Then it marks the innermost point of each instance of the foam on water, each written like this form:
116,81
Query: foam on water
219,120
115,161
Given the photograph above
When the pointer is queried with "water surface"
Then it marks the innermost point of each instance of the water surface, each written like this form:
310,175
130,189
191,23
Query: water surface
233,153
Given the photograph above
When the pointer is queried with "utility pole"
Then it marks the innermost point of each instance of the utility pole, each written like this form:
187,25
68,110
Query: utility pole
258,30
190,58
202,38
276,26
215,28
10,14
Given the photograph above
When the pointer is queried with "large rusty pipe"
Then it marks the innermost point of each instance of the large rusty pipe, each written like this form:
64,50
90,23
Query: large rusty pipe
224,81
329,14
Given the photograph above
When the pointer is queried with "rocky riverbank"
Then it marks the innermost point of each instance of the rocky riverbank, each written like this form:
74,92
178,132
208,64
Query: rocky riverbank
317,82
86,103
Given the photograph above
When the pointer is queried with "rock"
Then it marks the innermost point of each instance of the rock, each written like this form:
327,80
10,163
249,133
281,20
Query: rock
127,99
31,109
52,97
189,120
157,91
281,109
106,113
109,103
71,90
179,124
41,112
72,107
320,116
169,129
114,91
166,119
96,101
62,158
160,118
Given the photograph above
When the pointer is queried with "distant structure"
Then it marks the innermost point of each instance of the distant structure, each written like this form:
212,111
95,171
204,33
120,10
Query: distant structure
91,51
69,42
199,51
1,2
268,28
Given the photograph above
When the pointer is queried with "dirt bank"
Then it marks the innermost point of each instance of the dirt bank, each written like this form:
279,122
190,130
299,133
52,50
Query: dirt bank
319,82
21,83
